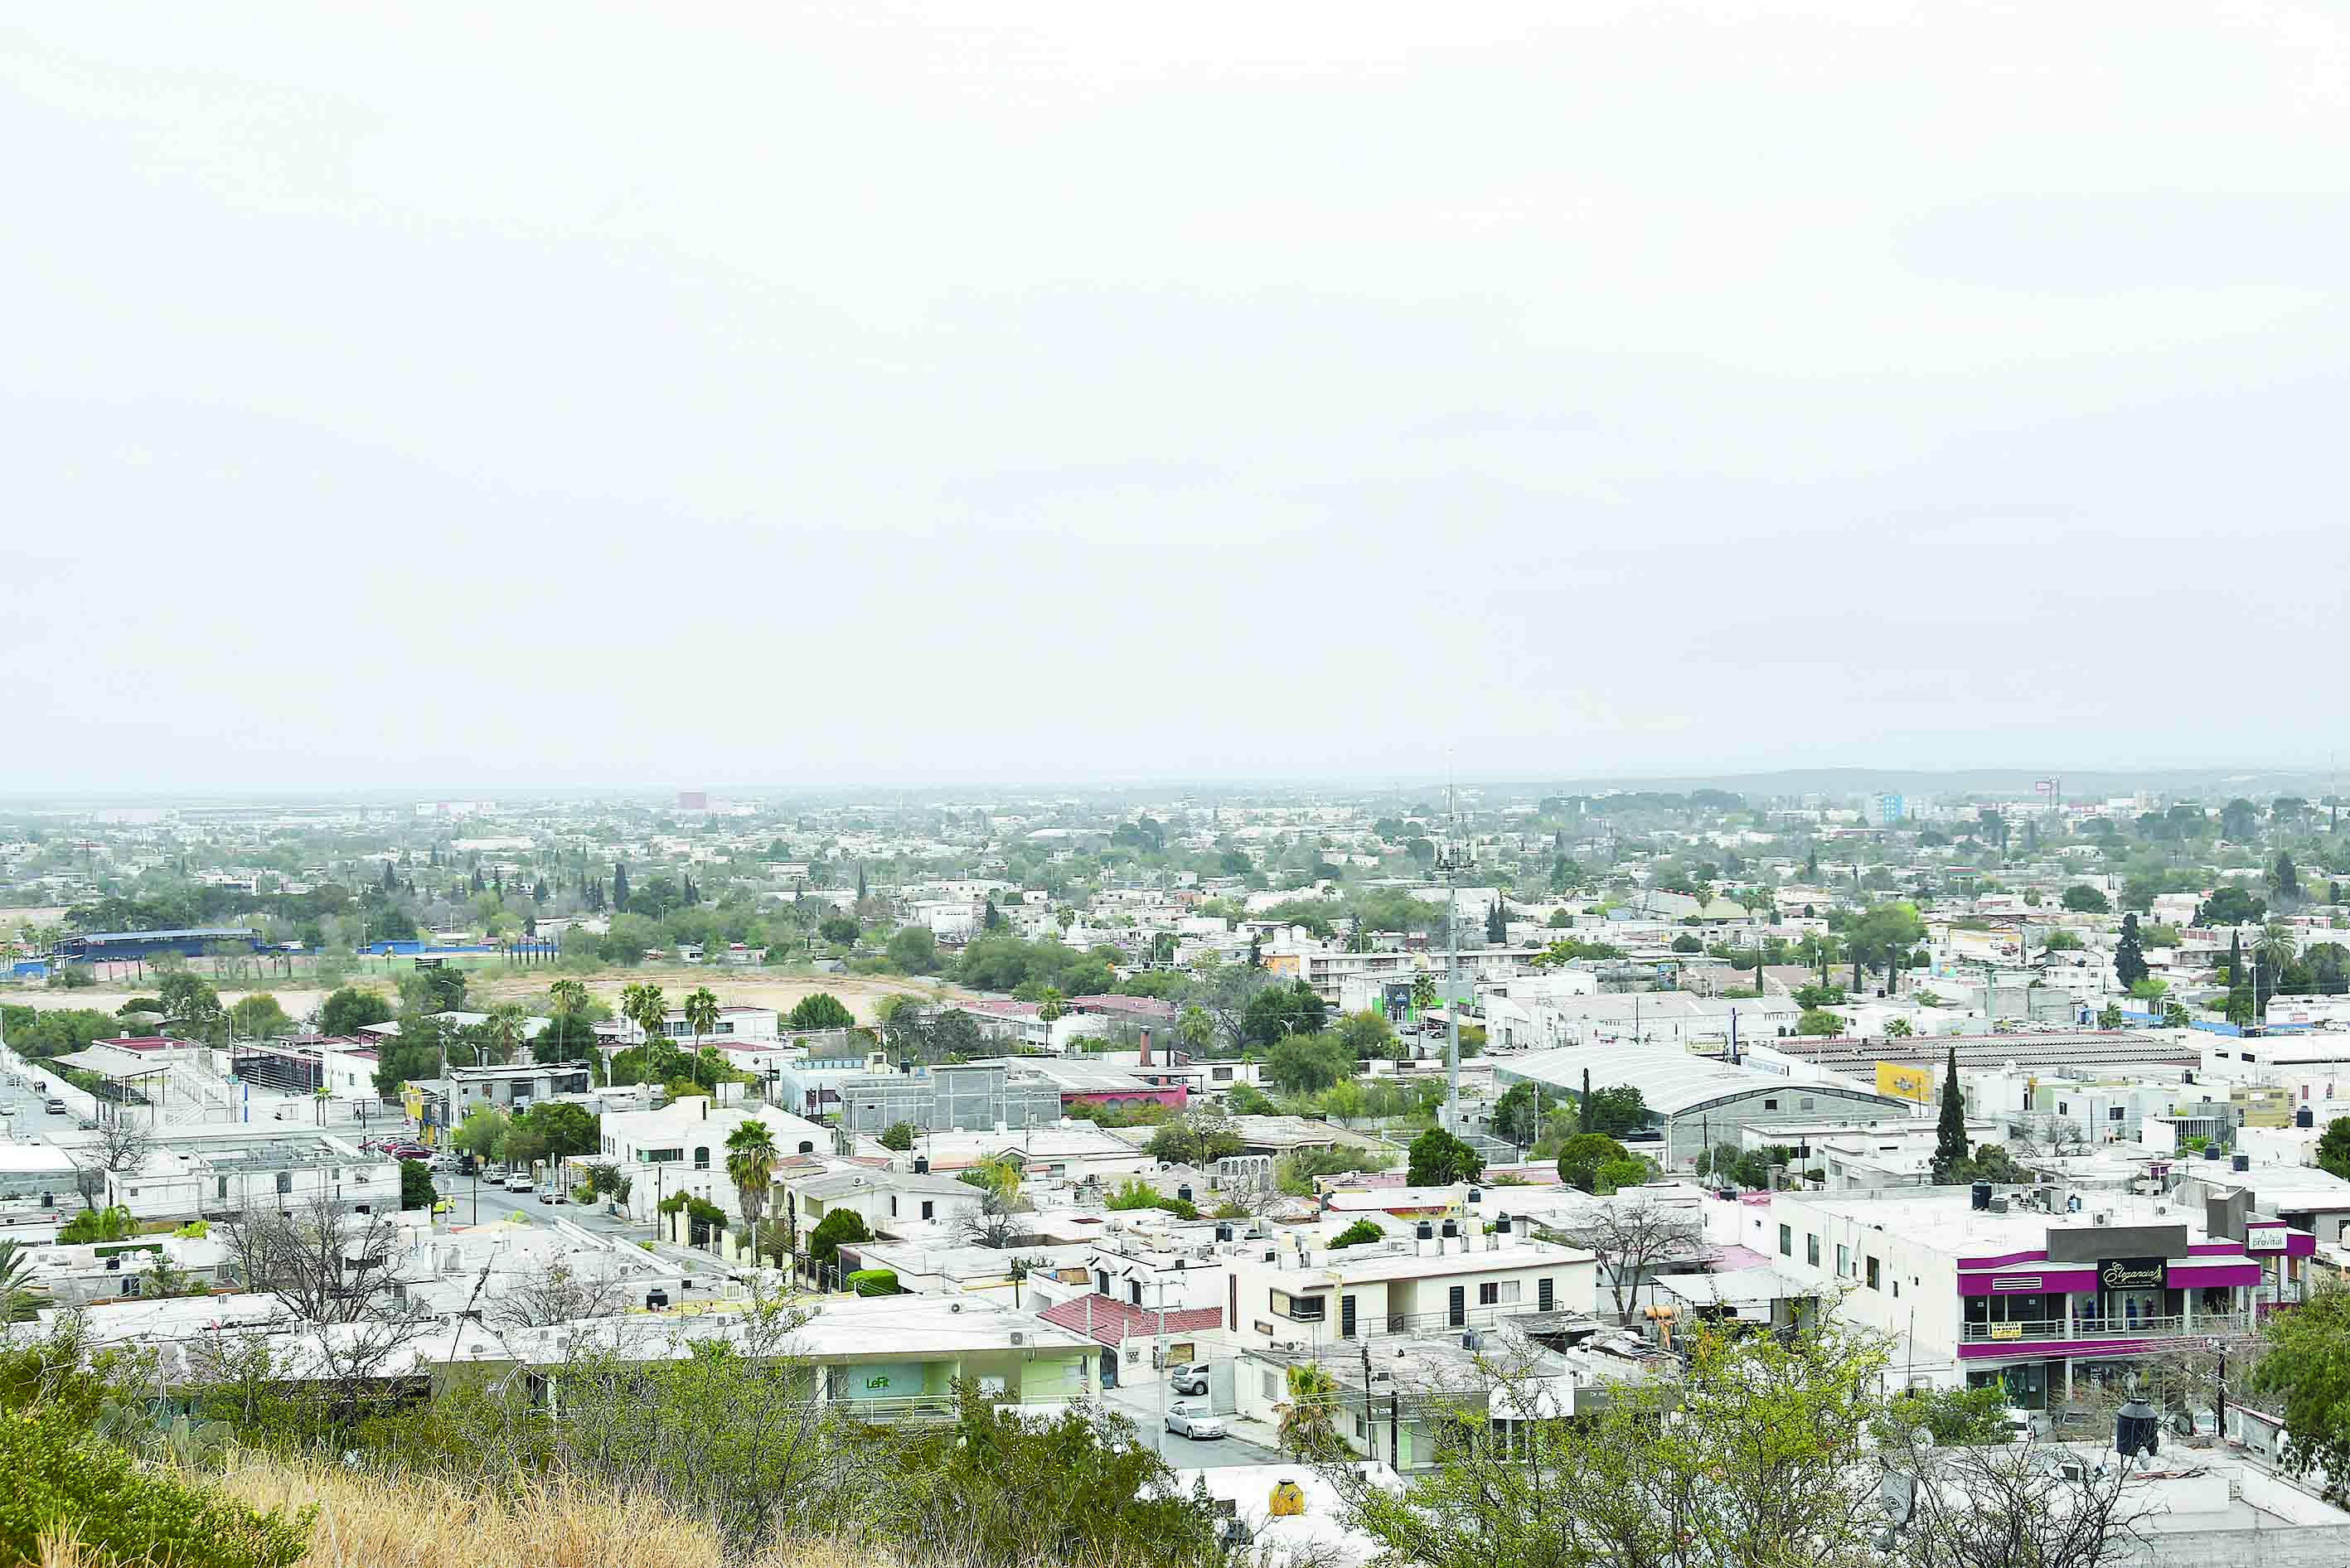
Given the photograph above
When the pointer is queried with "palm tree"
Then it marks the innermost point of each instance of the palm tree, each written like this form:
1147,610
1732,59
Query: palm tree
503,1029
701,1014
645,1006
750,1167
17,1304
1423,992
1305,1427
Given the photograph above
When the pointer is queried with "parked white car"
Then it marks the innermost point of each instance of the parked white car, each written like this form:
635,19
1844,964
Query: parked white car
1192,1419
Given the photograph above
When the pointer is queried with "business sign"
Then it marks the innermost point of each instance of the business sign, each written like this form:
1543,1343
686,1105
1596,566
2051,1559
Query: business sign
1902,1082
2131,1273
882,1380
2265,1237
2007,1331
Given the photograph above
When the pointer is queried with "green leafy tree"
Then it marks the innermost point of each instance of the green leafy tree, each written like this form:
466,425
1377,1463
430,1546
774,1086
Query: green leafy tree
2306,1378
2084,899
1949,1417
841,1225
2333,1148
1581,1157
1367,1034
258,1017
1517,1115
482,1133
416,1189
915,949
898,1137
344,1011
1819,1021
1306,1063
1440,1159
1362,1233
821,1010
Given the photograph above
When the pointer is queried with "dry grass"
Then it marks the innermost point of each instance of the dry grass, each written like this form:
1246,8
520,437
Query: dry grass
372,1521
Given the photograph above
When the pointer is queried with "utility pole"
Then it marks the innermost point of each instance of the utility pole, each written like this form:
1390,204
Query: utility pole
1450,861
1159,1353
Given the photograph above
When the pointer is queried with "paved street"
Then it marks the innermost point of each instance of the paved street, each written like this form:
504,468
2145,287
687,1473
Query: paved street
1140,1406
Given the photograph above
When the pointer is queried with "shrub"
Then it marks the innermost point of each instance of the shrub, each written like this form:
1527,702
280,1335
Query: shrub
897,1136
61,1483
1357,1234
873,1282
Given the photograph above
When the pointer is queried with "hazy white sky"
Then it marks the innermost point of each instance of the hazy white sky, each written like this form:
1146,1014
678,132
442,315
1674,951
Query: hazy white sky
778,394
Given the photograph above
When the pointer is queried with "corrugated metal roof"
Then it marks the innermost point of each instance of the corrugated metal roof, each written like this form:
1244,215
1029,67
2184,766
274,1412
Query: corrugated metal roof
1670,1080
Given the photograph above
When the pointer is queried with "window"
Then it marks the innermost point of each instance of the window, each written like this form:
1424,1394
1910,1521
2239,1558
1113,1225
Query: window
1545,1295
702,1157
927,1206
284,1181
2114,1112
1811,1250
1489,1293
1770,1104
1786,1240
1806,1102
893,1206
1272,1386
1844,1261
1346,1317
1871,1275
1298,1309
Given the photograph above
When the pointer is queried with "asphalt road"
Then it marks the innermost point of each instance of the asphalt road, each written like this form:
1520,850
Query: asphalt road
1140,1406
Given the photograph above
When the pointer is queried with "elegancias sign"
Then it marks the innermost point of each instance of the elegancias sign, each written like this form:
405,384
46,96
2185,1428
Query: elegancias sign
2131,1273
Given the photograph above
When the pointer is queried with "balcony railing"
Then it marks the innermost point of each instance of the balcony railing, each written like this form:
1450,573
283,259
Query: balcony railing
2195,1327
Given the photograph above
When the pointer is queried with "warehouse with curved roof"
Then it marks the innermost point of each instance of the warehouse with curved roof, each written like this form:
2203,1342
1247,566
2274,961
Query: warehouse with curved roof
1694,1102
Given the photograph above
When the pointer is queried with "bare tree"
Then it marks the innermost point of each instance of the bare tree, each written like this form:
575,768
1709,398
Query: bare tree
118,1147
332,1274
994,1223
2013,1505
2051,1134
1632,1237
558,1293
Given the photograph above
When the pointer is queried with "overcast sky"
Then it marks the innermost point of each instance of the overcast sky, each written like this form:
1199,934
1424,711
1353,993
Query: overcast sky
768,394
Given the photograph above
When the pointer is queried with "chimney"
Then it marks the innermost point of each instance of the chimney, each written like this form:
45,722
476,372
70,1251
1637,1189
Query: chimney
1146,1048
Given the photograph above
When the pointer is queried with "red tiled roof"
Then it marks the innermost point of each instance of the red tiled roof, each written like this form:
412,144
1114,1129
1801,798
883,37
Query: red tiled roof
1112,1320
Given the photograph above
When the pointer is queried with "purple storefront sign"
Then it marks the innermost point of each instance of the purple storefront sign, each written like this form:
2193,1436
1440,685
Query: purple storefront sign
2029,1281
2206,1274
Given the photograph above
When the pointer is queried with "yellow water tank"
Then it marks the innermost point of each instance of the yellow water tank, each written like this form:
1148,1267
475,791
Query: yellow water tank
1288,1499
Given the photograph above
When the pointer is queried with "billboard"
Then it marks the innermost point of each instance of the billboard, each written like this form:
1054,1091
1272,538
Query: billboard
1903,1081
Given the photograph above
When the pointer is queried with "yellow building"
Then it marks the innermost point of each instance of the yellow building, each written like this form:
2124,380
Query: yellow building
1903,1081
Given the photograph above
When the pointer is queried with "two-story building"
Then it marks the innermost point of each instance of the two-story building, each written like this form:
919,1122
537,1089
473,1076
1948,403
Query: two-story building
2028,1291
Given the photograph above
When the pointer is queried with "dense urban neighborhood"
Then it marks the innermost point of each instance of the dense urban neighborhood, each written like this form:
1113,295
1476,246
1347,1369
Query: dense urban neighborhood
1361,1166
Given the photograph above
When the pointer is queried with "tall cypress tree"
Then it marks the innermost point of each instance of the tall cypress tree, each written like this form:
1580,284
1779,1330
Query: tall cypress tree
619,886
1582,1107
2129,958
1951,1132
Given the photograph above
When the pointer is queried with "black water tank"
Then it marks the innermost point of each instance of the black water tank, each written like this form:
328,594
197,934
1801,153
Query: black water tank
1500,1225
1452,1227
1424,1231
1476,1195
921,1165
2241,1162
2305,1118
1224,1232
1982,1195
2213,1151
2137,1429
